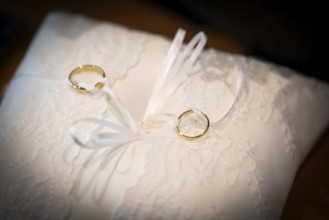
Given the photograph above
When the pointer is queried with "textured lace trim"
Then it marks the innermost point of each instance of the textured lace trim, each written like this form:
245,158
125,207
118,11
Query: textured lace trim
114,48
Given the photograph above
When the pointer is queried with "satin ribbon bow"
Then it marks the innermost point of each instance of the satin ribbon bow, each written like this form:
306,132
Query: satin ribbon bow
179,62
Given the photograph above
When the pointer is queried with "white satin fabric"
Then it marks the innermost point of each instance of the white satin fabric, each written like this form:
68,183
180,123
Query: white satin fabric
242,169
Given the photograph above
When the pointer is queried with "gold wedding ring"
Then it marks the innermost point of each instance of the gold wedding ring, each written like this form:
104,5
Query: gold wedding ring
187,137
84,68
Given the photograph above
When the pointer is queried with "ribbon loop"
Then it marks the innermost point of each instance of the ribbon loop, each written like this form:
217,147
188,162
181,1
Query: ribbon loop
95,139
178,64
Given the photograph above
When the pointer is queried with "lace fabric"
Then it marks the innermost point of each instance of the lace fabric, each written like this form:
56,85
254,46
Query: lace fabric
81,41
40,155
242,169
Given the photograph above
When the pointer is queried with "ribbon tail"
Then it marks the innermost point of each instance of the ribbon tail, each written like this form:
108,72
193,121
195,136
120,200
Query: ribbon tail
103,159
99,197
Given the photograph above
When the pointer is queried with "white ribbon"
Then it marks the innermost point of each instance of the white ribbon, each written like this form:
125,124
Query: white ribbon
179,63
121,133
116,140
238,89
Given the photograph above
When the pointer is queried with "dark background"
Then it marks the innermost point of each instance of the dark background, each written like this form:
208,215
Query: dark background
290,33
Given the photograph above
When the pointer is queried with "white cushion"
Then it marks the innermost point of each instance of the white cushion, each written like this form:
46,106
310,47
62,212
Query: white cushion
241,169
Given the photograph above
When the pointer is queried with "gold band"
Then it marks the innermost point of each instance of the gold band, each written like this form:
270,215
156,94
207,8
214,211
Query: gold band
196,136
84,68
